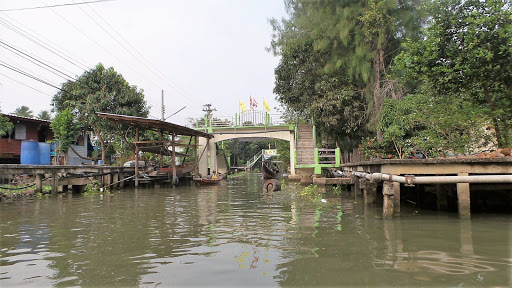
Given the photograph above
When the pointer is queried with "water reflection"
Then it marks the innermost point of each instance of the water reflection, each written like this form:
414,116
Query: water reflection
233,234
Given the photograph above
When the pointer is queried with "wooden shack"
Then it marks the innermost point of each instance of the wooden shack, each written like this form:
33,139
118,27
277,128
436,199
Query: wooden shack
24,129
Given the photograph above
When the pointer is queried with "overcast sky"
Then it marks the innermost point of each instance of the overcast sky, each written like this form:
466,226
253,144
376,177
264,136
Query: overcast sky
197,51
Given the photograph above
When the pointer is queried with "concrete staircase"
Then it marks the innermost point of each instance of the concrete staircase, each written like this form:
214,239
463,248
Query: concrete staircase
305,145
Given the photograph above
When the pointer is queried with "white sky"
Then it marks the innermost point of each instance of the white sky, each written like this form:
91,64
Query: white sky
208,51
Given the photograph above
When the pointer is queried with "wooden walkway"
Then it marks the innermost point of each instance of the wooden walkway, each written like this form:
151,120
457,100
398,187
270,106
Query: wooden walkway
420,172
63,175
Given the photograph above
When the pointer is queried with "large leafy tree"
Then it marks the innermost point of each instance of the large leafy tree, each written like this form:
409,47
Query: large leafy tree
467,51
101,90
347,47
23,111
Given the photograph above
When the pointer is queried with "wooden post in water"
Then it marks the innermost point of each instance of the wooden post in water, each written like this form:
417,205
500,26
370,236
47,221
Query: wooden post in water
388,191
463,198
137,157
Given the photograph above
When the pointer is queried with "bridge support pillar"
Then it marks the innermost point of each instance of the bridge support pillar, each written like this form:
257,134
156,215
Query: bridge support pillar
203,156
292,153
212,149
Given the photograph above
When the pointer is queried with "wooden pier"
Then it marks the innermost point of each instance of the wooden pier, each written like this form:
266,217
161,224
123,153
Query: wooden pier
489,174
65,175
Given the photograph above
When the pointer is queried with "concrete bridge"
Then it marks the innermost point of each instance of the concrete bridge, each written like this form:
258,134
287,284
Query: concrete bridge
305,158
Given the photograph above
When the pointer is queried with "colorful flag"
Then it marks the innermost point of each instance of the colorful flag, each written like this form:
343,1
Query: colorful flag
265,104
242,106
254,104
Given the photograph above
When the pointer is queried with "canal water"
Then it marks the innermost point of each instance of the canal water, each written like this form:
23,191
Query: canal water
232,234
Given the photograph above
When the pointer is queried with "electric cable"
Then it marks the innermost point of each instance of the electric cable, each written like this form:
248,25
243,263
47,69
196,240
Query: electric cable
42,44
46,66
25,84
56,5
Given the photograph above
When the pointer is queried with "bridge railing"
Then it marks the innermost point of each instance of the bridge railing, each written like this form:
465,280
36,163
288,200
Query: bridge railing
247,119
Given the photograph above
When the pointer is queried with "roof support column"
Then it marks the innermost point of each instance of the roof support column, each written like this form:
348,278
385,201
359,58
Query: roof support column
196,159
137,157
174,177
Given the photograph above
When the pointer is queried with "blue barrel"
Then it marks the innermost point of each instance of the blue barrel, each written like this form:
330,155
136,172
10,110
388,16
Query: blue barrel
29,153
44,153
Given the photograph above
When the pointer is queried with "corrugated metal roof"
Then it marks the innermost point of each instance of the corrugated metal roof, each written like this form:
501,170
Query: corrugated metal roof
16,117
152,124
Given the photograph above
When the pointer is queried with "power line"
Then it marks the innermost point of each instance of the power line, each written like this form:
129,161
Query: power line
153,70
43,44
46,65
56,5
22,67
25,85
95,42
8,66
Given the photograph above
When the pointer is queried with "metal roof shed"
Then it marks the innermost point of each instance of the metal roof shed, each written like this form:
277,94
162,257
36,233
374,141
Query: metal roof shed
160,126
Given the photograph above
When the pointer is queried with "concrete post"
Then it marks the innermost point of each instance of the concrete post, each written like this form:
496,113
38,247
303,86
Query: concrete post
396,186
121,177
39,183
388,191
369,191
463,198
203,156
356,186
55,183
466,237
116,179
212,149
292,153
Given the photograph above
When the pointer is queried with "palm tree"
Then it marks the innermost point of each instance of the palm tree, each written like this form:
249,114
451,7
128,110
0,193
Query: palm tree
23,111
44,115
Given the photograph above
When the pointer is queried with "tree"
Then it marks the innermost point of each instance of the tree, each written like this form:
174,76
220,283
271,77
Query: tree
342,50
467,51
65,130
434,126
44,115
23,111
6,126
100,90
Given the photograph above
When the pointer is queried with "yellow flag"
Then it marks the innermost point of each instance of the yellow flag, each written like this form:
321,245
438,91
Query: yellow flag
266,105
242,106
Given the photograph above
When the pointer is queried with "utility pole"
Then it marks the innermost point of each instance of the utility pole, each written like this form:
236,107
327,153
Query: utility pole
207,108
163,107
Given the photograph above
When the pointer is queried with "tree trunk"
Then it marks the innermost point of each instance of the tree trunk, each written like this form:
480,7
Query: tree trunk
378,67
102,145
495,122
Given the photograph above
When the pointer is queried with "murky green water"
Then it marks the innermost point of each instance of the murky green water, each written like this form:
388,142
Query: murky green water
233,235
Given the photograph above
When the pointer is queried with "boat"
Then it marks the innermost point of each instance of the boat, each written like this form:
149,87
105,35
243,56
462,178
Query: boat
209,180
270,170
